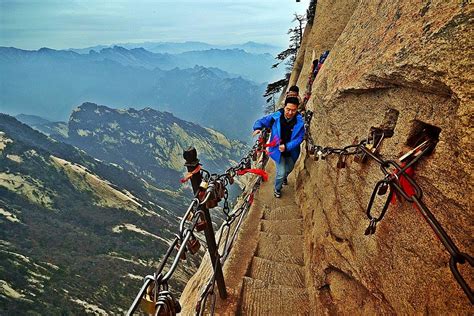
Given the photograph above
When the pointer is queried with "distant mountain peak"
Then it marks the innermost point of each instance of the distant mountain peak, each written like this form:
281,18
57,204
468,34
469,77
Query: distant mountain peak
31,119
140,49
147,142
90,106
87,106
46,50
119,48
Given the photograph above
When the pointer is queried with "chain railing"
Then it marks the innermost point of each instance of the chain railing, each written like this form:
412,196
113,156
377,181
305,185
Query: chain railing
227,236
209,189
397,180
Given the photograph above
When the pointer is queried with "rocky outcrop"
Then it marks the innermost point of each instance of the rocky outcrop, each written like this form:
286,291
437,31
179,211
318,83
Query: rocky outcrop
147,142
414,57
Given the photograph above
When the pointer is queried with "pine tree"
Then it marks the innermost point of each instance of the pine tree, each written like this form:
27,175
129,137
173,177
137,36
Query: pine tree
288,55
271,104
296,36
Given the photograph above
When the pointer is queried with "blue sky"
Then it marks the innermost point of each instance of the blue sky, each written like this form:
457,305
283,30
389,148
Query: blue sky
59,24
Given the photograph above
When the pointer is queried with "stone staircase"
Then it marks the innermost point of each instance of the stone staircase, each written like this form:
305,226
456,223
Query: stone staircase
275,283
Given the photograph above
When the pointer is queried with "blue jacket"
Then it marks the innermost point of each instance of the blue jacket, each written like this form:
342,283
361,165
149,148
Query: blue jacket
293,146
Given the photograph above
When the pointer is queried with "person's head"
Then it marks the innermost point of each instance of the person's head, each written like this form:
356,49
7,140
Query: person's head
291,107
294,89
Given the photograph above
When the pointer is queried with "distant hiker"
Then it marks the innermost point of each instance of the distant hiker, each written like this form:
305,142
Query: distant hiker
294,91
315,68
323,57
287,128
317,64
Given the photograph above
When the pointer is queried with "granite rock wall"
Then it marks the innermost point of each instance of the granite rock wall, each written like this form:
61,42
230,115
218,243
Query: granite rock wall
415,57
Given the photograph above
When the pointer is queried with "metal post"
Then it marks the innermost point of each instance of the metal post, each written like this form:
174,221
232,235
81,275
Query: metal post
190,155
212,247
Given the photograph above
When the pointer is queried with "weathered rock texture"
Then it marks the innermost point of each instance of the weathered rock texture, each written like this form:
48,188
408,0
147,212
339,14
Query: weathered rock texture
415,57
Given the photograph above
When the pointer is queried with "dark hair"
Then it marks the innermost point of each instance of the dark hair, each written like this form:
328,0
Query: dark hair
294,89
292,100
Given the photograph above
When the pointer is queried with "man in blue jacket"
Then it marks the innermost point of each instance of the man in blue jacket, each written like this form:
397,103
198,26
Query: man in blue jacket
287,127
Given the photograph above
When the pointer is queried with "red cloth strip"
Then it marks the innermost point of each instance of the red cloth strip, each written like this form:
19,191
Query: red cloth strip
273,143
250,199
259,172
406,186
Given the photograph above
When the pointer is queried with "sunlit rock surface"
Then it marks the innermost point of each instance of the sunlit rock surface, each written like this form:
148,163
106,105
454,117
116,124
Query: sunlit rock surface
414,57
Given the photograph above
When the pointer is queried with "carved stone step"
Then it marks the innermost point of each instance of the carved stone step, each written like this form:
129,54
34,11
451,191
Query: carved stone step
282,227
259,298
281,248
283,212
276,273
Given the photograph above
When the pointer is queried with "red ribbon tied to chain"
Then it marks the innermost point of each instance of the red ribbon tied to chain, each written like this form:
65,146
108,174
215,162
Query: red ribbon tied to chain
259,172
406,186
190,174
275,142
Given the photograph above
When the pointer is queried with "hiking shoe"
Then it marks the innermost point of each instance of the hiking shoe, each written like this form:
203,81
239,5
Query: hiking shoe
285,181
277,194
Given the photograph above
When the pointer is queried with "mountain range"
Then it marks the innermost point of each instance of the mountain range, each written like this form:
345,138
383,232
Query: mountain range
237,62
89,206
90,198
176,48
74,229
51,83
147,142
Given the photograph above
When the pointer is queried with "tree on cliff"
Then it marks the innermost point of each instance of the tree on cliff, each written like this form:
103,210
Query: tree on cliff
289,54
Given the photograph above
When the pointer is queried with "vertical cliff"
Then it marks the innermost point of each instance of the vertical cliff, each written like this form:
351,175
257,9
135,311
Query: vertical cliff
415,57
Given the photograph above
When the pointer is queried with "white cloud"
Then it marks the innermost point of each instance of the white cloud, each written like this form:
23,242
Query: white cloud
80,23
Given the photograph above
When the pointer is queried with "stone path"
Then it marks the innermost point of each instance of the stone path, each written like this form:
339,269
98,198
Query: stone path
274,283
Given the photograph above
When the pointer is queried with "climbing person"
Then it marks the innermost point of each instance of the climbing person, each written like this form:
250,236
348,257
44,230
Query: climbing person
294,91
323,57
287,132
315,68
317,64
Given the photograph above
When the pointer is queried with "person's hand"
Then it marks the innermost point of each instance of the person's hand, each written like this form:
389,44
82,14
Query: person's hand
281,148
256,132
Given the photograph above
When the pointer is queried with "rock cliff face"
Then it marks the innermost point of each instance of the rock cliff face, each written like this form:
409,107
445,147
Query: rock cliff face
417,58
